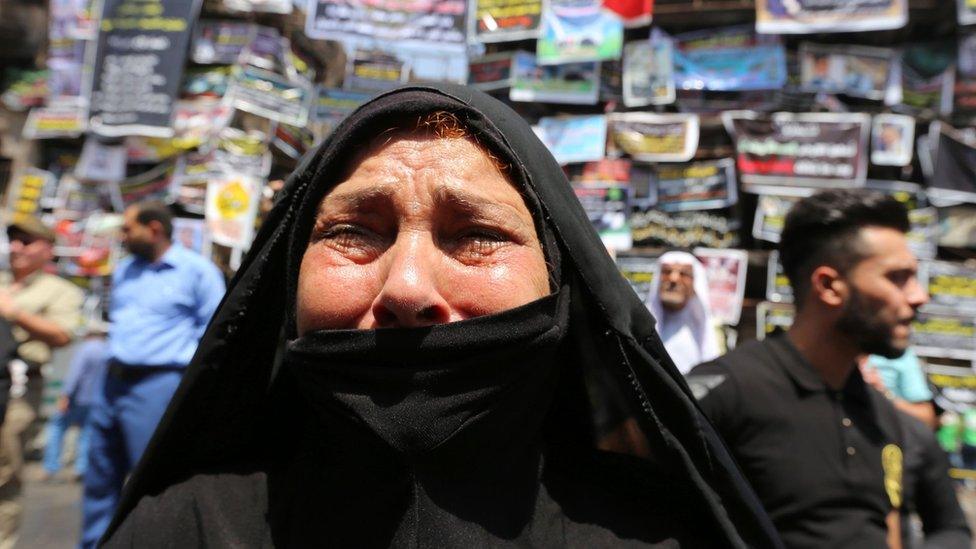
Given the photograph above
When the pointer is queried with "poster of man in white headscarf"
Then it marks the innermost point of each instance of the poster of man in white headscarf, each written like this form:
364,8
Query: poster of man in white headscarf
680,301
813,16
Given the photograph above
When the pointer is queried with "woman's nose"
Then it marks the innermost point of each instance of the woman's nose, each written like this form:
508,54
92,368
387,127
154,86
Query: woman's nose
409,296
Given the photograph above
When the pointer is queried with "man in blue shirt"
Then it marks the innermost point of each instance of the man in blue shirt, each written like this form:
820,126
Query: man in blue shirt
85,375
163,296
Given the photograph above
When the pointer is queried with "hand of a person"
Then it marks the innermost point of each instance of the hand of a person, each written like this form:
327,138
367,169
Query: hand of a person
7,307
873,378
63,402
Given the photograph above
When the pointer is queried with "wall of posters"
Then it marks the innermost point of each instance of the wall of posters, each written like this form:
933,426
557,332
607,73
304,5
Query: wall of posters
639,271
569,83
858,71
726,272
772,318
806,17
574,31
892,139
504,20
574,138
232,204
138,65
730,59
944,333
704,185
652,137
434,25
648,72
800,149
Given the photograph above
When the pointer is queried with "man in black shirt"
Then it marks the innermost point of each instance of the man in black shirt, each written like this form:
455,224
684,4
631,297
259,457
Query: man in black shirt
821,448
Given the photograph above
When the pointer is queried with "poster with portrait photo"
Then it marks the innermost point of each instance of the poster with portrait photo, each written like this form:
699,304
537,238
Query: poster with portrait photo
231,208
726,274
892,139
771,210
607,205
858,71
648,71
101,161
192,234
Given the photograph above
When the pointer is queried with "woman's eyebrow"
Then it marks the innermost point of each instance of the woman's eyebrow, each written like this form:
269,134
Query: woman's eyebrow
477,205
356,199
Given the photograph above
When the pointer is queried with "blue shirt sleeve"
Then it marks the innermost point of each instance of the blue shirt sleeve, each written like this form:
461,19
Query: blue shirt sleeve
86,353
210,290
911,382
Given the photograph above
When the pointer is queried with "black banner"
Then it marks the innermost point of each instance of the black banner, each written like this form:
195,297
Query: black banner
142,45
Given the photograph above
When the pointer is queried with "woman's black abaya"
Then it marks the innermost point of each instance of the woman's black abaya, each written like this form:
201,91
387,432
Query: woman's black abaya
559,423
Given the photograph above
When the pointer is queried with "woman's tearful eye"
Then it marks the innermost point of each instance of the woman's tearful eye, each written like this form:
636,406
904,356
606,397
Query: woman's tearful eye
479,242
350,239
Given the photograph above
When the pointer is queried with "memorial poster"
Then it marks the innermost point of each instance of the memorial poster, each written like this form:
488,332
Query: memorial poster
770,217
648,72
270,95
220,42
816,16
439,25
650,137
710,229
639,270
569,83
778,287
494,71
607,205
944,333
504,20
232,205
772,318
24,196
141,50
858,71
726,273
579,30
573,139
950,285
892,140
696,186
729,59
332,106
192,234
55,122
800,149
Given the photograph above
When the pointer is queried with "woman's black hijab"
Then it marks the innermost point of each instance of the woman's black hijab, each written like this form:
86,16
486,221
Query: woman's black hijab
224,412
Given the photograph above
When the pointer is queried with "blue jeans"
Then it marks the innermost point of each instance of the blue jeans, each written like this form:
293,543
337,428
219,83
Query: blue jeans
56,427
123,419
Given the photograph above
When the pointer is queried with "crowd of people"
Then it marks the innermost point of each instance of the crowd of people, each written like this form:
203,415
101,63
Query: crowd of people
429,345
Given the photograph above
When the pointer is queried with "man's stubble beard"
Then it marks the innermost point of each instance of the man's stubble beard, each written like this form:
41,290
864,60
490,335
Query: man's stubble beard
871,334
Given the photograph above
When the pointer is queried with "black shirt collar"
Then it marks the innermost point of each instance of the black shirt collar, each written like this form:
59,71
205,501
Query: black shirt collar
806,377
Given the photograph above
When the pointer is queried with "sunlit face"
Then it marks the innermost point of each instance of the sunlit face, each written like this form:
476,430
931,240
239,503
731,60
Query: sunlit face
884,293
677,285
28,253
423,231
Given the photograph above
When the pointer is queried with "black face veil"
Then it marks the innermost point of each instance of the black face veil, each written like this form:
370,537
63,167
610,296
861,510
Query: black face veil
630,398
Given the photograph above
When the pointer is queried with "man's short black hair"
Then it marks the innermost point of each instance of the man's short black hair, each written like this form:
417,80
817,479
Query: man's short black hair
155,211
823,229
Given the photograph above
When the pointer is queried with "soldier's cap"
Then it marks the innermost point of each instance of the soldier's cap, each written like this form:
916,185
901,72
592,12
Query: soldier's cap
32,226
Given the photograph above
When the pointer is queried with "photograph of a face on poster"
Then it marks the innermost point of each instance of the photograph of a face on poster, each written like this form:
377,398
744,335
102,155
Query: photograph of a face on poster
892,136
